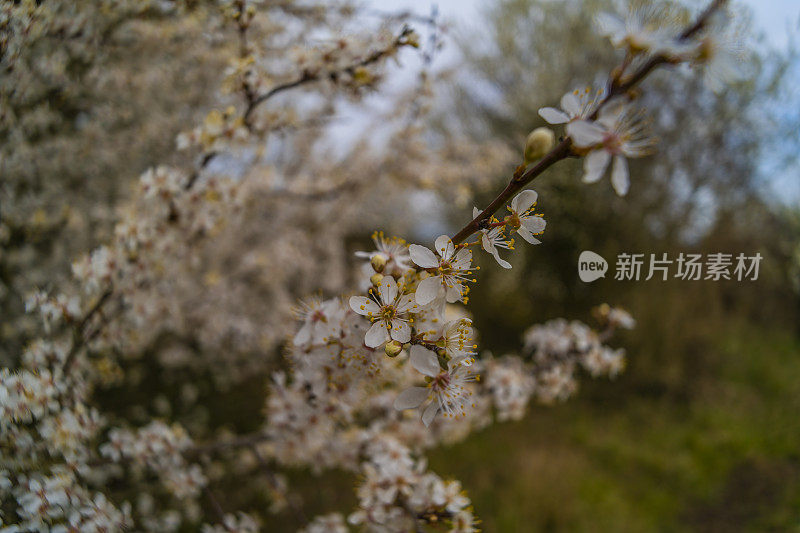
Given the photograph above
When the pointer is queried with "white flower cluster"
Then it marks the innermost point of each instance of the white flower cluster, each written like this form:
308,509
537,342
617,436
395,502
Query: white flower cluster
54,310
56,503
397,492
160,448
558,347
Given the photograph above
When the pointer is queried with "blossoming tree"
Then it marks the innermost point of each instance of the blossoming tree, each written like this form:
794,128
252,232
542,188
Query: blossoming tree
375,376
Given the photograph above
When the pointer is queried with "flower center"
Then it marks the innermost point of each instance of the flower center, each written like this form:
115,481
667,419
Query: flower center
612,143
441,381
387,312
513,221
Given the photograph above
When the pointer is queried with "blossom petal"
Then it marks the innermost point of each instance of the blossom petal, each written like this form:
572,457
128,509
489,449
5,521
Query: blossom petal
462,259
422,256
430,414
523,232
619,176
376,335
405,302
585,133
553,115
523,201
454,293
500,261
401,332
428,289
444,246
411,398
486,243
534,224
387,288
571,103
611,112
594,166
363,305
425,361
304,335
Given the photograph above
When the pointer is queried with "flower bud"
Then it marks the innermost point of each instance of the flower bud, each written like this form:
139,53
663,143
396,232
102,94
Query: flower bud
375,279
393,348
378,262
539,142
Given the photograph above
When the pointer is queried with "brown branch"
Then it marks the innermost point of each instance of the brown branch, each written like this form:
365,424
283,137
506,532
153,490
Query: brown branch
78,338
615,87
218,510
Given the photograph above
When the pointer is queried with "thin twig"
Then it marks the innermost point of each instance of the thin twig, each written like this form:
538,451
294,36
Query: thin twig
78,338
308,77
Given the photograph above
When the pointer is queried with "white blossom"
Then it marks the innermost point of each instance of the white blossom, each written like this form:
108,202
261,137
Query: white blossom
522,218
388,311
618,133
449,269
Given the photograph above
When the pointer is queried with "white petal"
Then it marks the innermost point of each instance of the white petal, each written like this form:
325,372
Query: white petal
610,113
387,288
428,289
303,335
462,259
486,243
406,302
430,414
585,133
523,201
475,212
571,104
523,232
401,331
619,176
422,256
454,293
594,166
411,398
500,261
534,224
425,361
444,246
376,335
363,305
553,115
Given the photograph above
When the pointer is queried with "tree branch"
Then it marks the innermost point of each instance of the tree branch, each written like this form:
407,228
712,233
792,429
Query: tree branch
562,150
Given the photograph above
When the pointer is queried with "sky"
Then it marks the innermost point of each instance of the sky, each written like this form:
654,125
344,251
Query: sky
773,17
